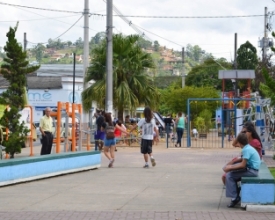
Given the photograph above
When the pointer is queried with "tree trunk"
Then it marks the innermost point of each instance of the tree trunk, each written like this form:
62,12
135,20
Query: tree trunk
120,114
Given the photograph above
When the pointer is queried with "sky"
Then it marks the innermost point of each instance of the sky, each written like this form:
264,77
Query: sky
214,35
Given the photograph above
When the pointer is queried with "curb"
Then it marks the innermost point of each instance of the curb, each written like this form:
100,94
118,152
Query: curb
260,208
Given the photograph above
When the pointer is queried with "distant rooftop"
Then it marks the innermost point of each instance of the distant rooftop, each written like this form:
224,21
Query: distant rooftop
60,70
35,82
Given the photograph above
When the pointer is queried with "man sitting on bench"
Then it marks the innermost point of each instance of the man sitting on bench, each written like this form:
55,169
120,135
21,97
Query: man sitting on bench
247,166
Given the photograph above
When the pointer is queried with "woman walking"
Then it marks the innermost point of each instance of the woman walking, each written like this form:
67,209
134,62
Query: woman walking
110,140
180,123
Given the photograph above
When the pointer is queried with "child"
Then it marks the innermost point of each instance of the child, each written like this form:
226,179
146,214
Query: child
148,126
195,133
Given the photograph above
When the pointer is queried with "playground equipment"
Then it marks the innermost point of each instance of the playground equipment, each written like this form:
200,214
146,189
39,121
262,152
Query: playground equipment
71,113
261,115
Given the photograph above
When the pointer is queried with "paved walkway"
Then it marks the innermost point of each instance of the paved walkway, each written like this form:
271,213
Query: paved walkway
185,185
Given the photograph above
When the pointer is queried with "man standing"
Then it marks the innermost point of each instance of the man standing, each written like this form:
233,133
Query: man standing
218,121
45,126
100,135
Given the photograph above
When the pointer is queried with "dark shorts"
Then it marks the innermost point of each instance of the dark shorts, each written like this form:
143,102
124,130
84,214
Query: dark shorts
146,146
100,135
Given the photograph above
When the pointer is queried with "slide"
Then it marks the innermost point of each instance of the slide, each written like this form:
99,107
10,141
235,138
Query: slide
159,118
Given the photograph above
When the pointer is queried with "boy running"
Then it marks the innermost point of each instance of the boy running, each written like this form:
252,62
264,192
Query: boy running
148,126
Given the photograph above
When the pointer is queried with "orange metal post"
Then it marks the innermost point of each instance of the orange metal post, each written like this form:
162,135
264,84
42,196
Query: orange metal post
7,137
67,104
230,104
73,127
31,140
59,109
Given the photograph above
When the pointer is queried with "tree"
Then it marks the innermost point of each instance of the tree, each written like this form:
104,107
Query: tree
38,50
247,57
174,99
132,86
144,43
206,74
268,88
14,70
156,45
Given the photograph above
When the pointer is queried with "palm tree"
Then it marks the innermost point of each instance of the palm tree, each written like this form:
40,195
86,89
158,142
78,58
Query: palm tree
132,84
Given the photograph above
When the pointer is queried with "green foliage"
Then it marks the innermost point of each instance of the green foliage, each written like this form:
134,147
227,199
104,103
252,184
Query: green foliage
132,85
247,56
144,43
206,115
39,49
268,89
200,124
156,45
206,74
272,170
14,70
174,99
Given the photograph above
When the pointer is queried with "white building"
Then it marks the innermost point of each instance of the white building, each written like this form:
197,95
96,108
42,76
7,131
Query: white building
50,84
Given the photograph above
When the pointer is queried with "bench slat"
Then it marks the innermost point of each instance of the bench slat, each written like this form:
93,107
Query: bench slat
264,176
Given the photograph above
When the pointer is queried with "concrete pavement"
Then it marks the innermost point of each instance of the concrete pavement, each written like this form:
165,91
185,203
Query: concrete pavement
185,184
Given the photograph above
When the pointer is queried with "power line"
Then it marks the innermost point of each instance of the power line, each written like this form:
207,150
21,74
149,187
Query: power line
37,19
189,17
60,34
158,36
137,16
44,9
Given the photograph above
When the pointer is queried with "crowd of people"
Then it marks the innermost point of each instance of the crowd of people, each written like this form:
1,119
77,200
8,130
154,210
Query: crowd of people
109,132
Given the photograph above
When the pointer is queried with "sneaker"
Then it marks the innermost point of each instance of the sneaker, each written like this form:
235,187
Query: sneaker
111,163
153,161
146,166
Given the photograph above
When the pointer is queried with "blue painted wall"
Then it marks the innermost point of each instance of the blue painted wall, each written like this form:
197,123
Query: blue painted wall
23,168
258,193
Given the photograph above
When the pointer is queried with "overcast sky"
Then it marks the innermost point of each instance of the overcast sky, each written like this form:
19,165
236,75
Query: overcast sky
214,35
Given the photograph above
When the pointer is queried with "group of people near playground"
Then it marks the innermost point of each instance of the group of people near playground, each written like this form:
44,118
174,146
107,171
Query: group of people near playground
245,165
105,135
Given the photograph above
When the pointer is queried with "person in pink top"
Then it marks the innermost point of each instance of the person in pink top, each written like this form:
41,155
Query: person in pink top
253,137
253,140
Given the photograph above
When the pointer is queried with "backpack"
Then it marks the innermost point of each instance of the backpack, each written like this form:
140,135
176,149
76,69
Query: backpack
110,132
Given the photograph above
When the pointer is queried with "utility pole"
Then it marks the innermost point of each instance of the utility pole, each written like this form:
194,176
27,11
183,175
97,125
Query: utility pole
183,74
86,12
235,63
25,41
265,39
109,66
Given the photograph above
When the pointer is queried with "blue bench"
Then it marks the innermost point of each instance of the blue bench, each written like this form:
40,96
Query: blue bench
38,167
258,190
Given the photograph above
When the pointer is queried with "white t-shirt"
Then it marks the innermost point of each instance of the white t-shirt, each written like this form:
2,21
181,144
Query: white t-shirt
147,128
194,131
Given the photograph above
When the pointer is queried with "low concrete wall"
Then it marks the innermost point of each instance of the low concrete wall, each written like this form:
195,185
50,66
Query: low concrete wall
32,168
258,190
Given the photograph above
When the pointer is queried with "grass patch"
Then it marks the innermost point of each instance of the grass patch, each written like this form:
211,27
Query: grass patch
272,171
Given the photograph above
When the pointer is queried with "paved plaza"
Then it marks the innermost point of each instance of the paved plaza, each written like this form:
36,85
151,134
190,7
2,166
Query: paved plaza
184,185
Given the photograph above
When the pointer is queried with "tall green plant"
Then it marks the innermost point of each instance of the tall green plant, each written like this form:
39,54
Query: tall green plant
14,70
206,115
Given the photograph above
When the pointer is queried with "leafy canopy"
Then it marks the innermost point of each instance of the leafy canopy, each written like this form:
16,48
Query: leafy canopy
14,70
132,83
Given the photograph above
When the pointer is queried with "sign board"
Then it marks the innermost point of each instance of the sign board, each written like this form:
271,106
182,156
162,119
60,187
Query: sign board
236,74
